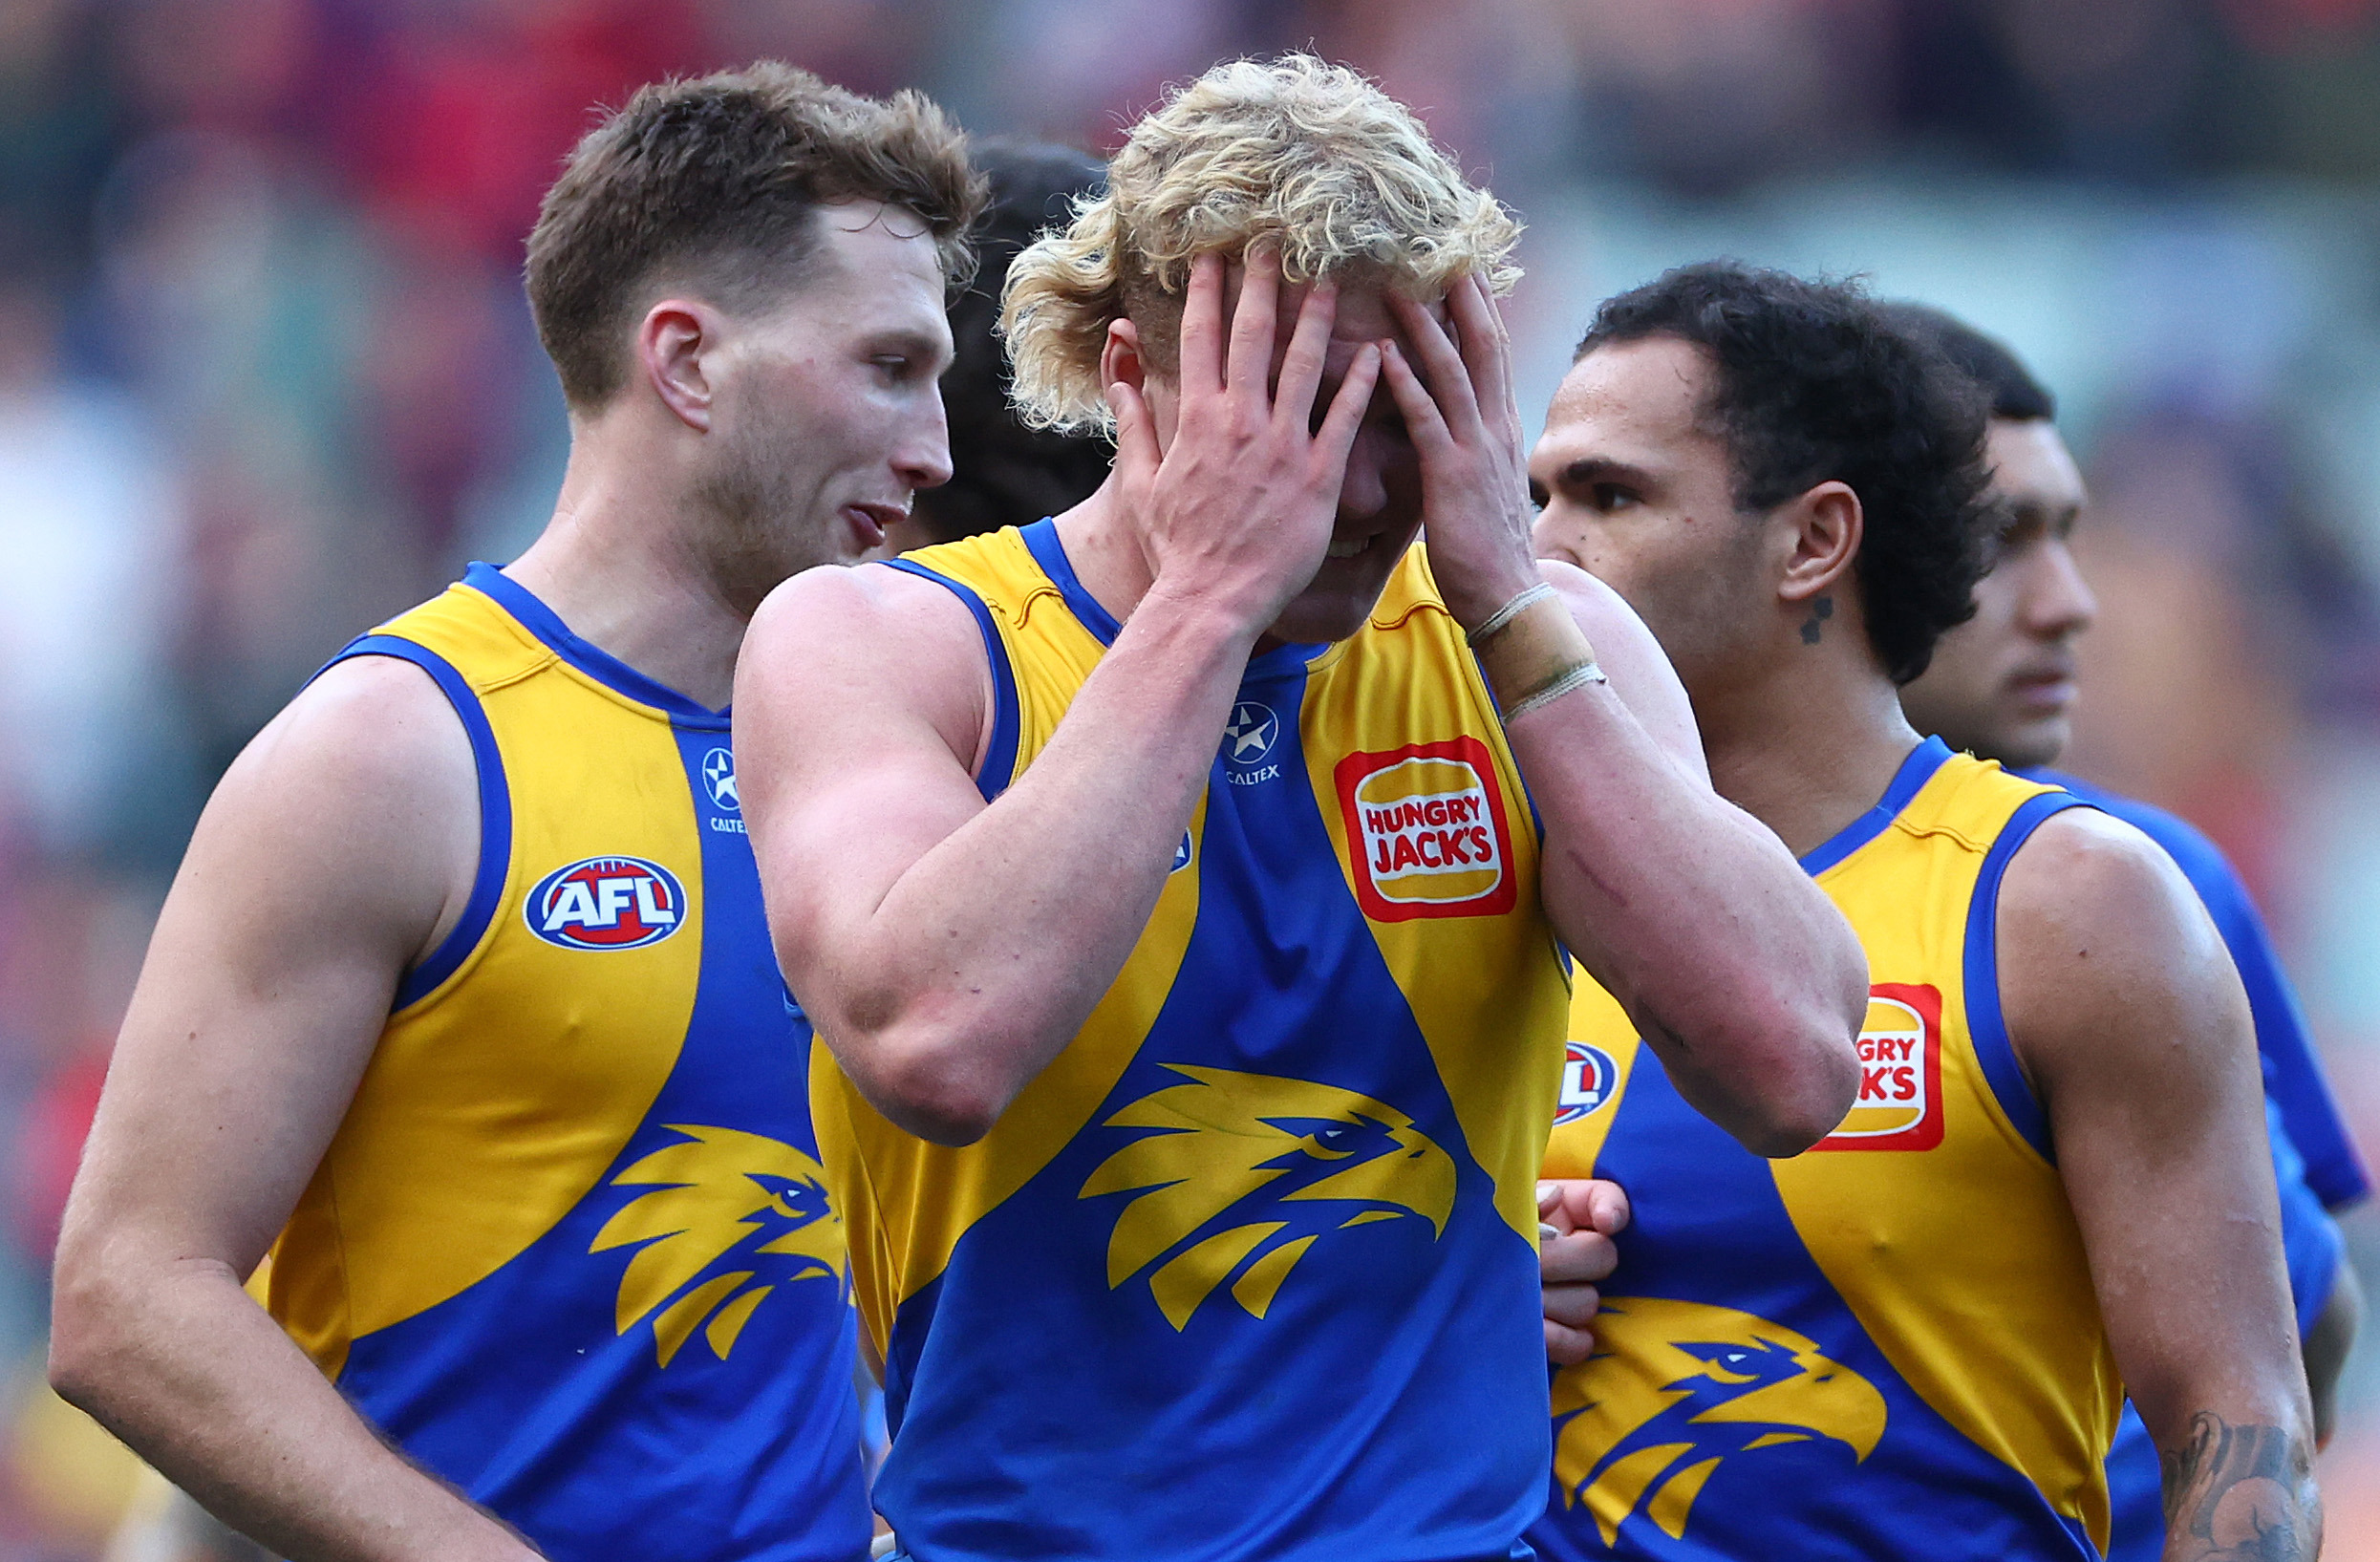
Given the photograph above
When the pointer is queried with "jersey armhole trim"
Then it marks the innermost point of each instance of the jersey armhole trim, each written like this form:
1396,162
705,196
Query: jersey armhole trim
1988,1027
999,755
487,882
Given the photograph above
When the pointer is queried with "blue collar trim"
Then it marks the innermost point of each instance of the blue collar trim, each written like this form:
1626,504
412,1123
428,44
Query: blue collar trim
1907,782
597,663
1040,539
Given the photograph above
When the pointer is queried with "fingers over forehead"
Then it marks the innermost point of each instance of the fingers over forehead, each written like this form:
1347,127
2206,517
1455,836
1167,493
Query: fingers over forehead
1200,346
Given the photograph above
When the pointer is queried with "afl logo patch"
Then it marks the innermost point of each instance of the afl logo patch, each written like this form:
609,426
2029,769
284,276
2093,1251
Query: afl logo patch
606,902
1588,1075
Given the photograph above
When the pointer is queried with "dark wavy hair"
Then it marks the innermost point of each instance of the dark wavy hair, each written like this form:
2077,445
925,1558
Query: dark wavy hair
1813,385
2010,387
1004,473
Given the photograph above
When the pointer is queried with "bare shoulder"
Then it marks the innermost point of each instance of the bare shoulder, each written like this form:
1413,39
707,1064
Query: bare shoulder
361,796
1639,669
862,641
2102,940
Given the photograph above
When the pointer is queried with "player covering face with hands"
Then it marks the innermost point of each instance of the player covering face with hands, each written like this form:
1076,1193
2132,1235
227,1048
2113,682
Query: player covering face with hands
1192,992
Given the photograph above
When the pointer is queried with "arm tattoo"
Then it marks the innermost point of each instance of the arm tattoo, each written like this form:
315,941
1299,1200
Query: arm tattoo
2240,1493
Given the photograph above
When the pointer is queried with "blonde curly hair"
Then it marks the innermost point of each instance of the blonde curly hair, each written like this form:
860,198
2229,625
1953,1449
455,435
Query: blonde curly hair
1309,155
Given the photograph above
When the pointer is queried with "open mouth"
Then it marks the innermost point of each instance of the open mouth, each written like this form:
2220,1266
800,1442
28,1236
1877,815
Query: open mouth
1349,549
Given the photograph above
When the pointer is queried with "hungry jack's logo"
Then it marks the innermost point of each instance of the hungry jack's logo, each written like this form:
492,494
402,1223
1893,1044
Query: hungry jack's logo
1425,831
1247,1172
1901,1074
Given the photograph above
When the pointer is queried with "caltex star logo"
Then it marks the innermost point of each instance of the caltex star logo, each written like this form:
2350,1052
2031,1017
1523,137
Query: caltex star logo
1251,733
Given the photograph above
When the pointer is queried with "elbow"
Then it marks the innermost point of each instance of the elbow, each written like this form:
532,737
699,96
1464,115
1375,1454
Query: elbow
1814,1088
83,1308
923,1085
1792,1080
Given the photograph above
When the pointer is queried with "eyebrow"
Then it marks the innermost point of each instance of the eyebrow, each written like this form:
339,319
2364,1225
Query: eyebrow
1593,469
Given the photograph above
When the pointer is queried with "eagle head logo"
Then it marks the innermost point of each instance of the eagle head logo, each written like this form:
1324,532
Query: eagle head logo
1676,1387
1246,1171
732,1216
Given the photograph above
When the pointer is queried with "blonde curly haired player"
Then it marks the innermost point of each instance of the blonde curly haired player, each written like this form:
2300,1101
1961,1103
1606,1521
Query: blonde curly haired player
1161,877
1306,155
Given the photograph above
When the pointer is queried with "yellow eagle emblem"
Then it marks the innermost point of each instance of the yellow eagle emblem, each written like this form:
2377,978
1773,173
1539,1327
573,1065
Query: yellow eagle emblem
1242,1177
1675,1388
733,1216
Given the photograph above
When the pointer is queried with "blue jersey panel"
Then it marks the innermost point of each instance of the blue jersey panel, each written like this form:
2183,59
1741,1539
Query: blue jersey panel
1789,1481
2293,1076
1403,1335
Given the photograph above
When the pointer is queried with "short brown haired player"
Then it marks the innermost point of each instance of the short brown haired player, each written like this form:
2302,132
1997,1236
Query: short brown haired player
464,990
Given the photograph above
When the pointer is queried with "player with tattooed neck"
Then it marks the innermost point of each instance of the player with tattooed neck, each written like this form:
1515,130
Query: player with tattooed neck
1915,1339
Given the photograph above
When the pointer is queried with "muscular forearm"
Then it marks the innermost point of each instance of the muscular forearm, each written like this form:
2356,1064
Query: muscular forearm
1737,969
990,952
181,1364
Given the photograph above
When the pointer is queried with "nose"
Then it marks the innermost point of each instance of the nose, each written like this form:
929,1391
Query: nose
1363,491
2058,602
922,457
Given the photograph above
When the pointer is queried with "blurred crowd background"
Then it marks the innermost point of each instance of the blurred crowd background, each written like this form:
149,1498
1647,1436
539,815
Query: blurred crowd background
266,376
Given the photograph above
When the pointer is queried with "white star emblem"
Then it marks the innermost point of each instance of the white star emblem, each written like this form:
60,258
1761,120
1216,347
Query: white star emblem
1251,733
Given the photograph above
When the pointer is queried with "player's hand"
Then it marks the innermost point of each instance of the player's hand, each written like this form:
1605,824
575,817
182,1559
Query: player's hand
1460,413
1585,1214
1238,510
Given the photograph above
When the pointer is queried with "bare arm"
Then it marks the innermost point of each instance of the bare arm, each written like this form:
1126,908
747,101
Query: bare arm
2131,1020
1739,973
946,950
337,850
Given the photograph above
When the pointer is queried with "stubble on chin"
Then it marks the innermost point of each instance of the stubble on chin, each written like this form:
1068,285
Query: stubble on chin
746,536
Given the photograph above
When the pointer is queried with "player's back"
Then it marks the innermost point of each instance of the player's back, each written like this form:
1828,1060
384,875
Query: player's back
1888,1345
570,1247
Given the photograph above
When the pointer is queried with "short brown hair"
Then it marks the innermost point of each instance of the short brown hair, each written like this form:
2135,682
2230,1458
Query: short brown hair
713,183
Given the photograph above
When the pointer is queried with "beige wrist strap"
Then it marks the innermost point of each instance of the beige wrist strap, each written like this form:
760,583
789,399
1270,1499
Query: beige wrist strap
1534,653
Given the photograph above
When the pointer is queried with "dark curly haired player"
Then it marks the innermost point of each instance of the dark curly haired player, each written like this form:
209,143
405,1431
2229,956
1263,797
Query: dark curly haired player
1912,1341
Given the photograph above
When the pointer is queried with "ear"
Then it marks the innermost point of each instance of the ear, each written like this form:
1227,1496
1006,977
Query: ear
1120,358
673,345
1827,525
1120,355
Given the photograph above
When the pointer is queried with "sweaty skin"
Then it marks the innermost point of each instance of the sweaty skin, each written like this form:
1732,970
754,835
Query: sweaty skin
342,847
953,948
2110,968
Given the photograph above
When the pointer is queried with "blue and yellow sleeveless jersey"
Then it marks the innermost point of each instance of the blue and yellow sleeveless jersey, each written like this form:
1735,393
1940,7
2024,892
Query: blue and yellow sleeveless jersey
1888,1345
571,1247
1250,1270
2323,1173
